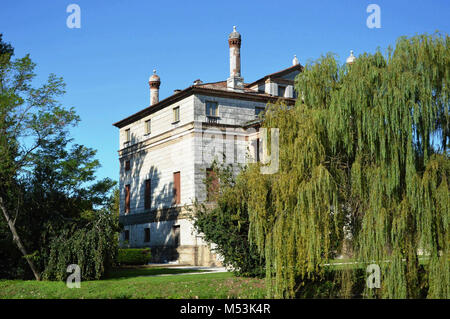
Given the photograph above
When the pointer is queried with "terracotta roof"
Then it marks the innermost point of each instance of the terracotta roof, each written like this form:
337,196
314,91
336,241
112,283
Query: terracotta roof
278,74
222,85
214,89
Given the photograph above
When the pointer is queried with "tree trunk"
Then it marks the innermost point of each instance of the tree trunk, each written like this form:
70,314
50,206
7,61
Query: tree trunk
17,240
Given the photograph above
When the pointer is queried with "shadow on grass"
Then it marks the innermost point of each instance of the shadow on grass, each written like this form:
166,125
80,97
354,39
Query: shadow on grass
139,272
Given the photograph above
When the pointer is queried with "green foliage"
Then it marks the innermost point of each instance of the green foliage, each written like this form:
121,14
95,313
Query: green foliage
92,247
225,223
133,256
47,183
366,147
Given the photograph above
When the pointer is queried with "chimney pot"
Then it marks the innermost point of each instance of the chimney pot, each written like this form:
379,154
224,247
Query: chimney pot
154,82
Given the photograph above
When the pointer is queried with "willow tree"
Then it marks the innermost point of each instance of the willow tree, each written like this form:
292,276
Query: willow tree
366,147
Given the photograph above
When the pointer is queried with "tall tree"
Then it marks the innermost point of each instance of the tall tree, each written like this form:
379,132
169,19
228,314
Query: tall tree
44,185
365,147
27,117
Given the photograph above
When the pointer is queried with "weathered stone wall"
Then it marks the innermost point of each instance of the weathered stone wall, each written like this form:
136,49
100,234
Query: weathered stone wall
189,147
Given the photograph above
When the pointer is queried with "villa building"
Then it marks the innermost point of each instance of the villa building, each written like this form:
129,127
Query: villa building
166,149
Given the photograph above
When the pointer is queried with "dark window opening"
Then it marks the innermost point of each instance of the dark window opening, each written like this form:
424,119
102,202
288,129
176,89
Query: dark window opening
146,235
126,235
176,235
212,109
257,149
127,165
281,91
148,194
127,198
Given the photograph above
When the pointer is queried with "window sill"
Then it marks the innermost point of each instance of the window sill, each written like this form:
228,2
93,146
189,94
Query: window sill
176,122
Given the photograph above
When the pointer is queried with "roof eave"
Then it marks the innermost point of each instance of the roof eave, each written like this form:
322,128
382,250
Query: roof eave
200,90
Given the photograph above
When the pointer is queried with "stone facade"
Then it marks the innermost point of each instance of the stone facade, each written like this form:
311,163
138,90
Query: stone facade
181,135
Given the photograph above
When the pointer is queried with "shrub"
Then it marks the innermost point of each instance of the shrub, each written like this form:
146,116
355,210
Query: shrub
93,248
226,223
133,256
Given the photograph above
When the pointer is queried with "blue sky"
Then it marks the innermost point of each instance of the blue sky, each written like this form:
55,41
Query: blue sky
106,63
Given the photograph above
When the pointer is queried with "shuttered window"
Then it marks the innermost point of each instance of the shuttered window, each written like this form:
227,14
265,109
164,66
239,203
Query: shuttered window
127,199
176,114
176,188
148,194
148,127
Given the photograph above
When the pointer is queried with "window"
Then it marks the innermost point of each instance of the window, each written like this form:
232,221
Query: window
176,188
148,194
148,127
127,165
258,110
126,235
127,199
127,135
281,90
176,235
146,235
176,114
212,182
257,149
212,109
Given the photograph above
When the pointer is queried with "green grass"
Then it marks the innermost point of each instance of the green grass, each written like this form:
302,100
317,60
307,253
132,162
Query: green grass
214,285
147,271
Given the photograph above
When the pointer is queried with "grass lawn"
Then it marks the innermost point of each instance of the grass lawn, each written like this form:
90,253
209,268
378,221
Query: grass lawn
130,283
149,271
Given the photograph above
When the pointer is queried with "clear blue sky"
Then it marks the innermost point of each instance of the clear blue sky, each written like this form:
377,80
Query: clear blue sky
106,63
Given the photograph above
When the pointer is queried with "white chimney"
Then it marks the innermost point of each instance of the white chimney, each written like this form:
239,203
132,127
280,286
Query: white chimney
235,82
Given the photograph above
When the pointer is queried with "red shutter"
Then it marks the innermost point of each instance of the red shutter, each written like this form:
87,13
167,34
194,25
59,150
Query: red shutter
127,198
176,188
147,198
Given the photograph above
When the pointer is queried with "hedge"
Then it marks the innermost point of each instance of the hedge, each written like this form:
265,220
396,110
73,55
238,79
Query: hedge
133,256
